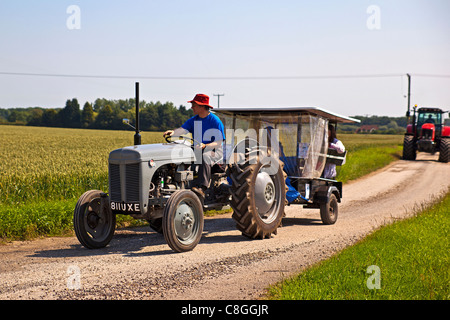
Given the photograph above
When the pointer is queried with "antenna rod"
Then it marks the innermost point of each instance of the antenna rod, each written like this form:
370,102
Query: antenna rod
137,136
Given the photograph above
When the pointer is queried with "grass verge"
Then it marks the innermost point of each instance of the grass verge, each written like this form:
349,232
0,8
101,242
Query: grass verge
412,257
44,218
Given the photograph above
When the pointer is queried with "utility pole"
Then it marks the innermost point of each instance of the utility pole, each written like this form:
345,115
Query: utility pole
218,99
409,95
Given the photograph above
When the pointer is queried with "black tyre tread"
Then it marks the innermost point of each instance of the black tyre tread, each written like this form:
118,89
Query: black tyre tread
324,211
244,213
156,225
78,226
167,225
409,149
444,150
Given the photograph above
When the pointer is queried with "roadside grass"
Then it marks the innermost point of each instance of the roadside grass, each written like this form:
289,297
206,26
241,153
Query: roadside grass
44,218
412,256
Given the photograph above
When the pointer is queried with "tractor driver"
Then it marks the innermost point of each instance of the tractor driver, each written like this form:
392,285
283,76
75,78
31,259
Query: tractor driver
430,119
207,128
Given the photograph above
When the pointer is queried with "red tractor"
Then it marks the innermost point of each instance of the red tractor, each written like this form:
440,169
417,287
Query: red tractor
427,133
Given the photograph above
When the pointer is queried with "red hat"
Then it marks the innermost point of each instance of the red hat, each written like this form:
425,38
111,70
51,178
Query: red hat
201,99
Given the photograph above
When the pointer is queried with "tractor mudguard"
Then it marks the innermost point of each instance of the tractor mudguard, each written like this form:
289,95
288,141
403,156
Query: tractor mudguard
324,193
445,131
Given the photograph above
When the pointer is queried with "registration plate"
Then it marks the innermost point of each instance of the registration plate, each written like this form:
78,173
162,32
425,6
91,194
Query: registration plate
125,207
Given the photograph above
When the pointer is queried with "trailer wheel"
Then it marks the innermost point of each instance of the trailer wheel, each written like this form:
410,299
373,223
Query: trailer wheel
93,220
329,210
183,221
258,198
409,149
444,150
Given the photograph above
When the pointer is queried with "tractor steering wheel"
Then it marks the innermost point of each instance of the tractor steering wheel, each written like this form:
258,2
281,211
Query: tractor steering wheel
185,138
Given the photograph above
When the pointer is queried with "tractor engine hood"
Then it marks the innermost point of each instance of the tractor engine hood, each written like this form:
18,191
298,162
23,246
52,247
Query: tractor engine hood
167,152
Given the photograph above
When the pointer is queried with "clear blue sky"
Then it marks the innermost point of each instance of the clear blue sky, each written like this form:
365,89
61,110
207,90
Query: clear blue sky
228,39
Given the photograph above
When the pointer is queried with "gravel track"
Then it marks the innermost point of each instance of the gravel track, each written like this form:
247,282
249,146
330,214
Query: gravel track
138,264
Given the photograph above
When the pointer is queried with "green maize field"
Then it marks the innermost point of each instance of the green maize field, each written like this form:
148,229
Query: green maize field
55,163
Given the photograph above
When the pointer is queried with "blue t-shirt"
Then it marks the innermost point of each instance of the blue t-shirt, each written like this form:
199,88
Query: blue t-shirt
206,129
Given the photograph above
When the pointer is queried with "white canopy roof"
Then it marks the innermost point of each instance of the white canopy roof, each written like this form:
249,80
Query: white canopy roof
313,110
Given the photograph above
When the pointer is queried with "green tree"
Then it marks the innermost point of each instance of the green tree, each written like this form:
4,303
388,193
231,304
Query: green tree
87,115
70,116
50,118
12,116
148,117
35,118
105,118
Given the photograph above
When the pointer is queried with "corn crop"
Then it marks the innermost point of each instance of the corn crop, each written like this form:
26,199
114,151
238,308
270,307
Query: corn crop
55,163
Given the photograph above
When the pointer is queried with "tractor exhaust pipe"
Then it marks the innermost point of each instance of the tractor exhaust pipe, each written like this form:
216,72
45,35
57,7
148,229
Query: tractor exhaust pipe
137,136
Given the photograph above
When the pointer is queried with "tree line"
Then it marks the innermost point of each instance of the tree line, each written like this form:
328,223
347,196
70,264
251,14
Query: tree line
384,125
154,116
102,114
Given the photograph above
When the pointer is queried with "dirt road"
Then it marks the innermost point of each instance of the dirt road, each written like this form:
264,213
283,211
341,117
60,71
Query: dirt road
139,265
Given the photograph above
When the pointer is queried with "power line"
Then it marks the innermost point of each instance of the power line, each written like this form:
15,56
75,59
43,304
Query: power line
29,74
307,77
431,75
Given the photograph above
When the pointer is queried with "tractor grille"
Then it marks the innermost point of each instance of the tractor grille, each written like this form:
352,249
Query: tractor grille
114,182
427,134
131,180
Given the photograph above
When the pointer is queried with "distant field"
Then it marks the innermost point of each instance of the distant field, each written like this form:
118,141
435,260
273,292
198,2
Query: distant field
367,153
43,171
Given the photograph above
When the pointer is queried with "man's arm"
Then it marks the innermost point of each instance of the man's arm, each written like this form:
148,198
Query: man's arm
212,145
176,133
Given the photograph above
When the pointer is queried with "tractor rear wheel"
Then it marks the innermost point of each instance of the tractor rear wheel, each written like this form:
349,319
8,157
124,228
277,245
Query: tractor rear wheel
409,149
93,220
444,150
258,197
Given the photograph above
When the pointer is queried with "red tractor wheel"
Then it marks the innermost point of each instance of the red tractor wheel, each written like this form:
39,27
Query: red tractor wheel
409,149
444,150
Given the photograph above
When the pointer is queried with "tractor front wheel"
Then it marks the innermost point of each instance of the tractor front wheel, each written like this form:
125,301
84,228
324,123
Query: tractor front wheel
409,149
156,225
93,220
182,221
